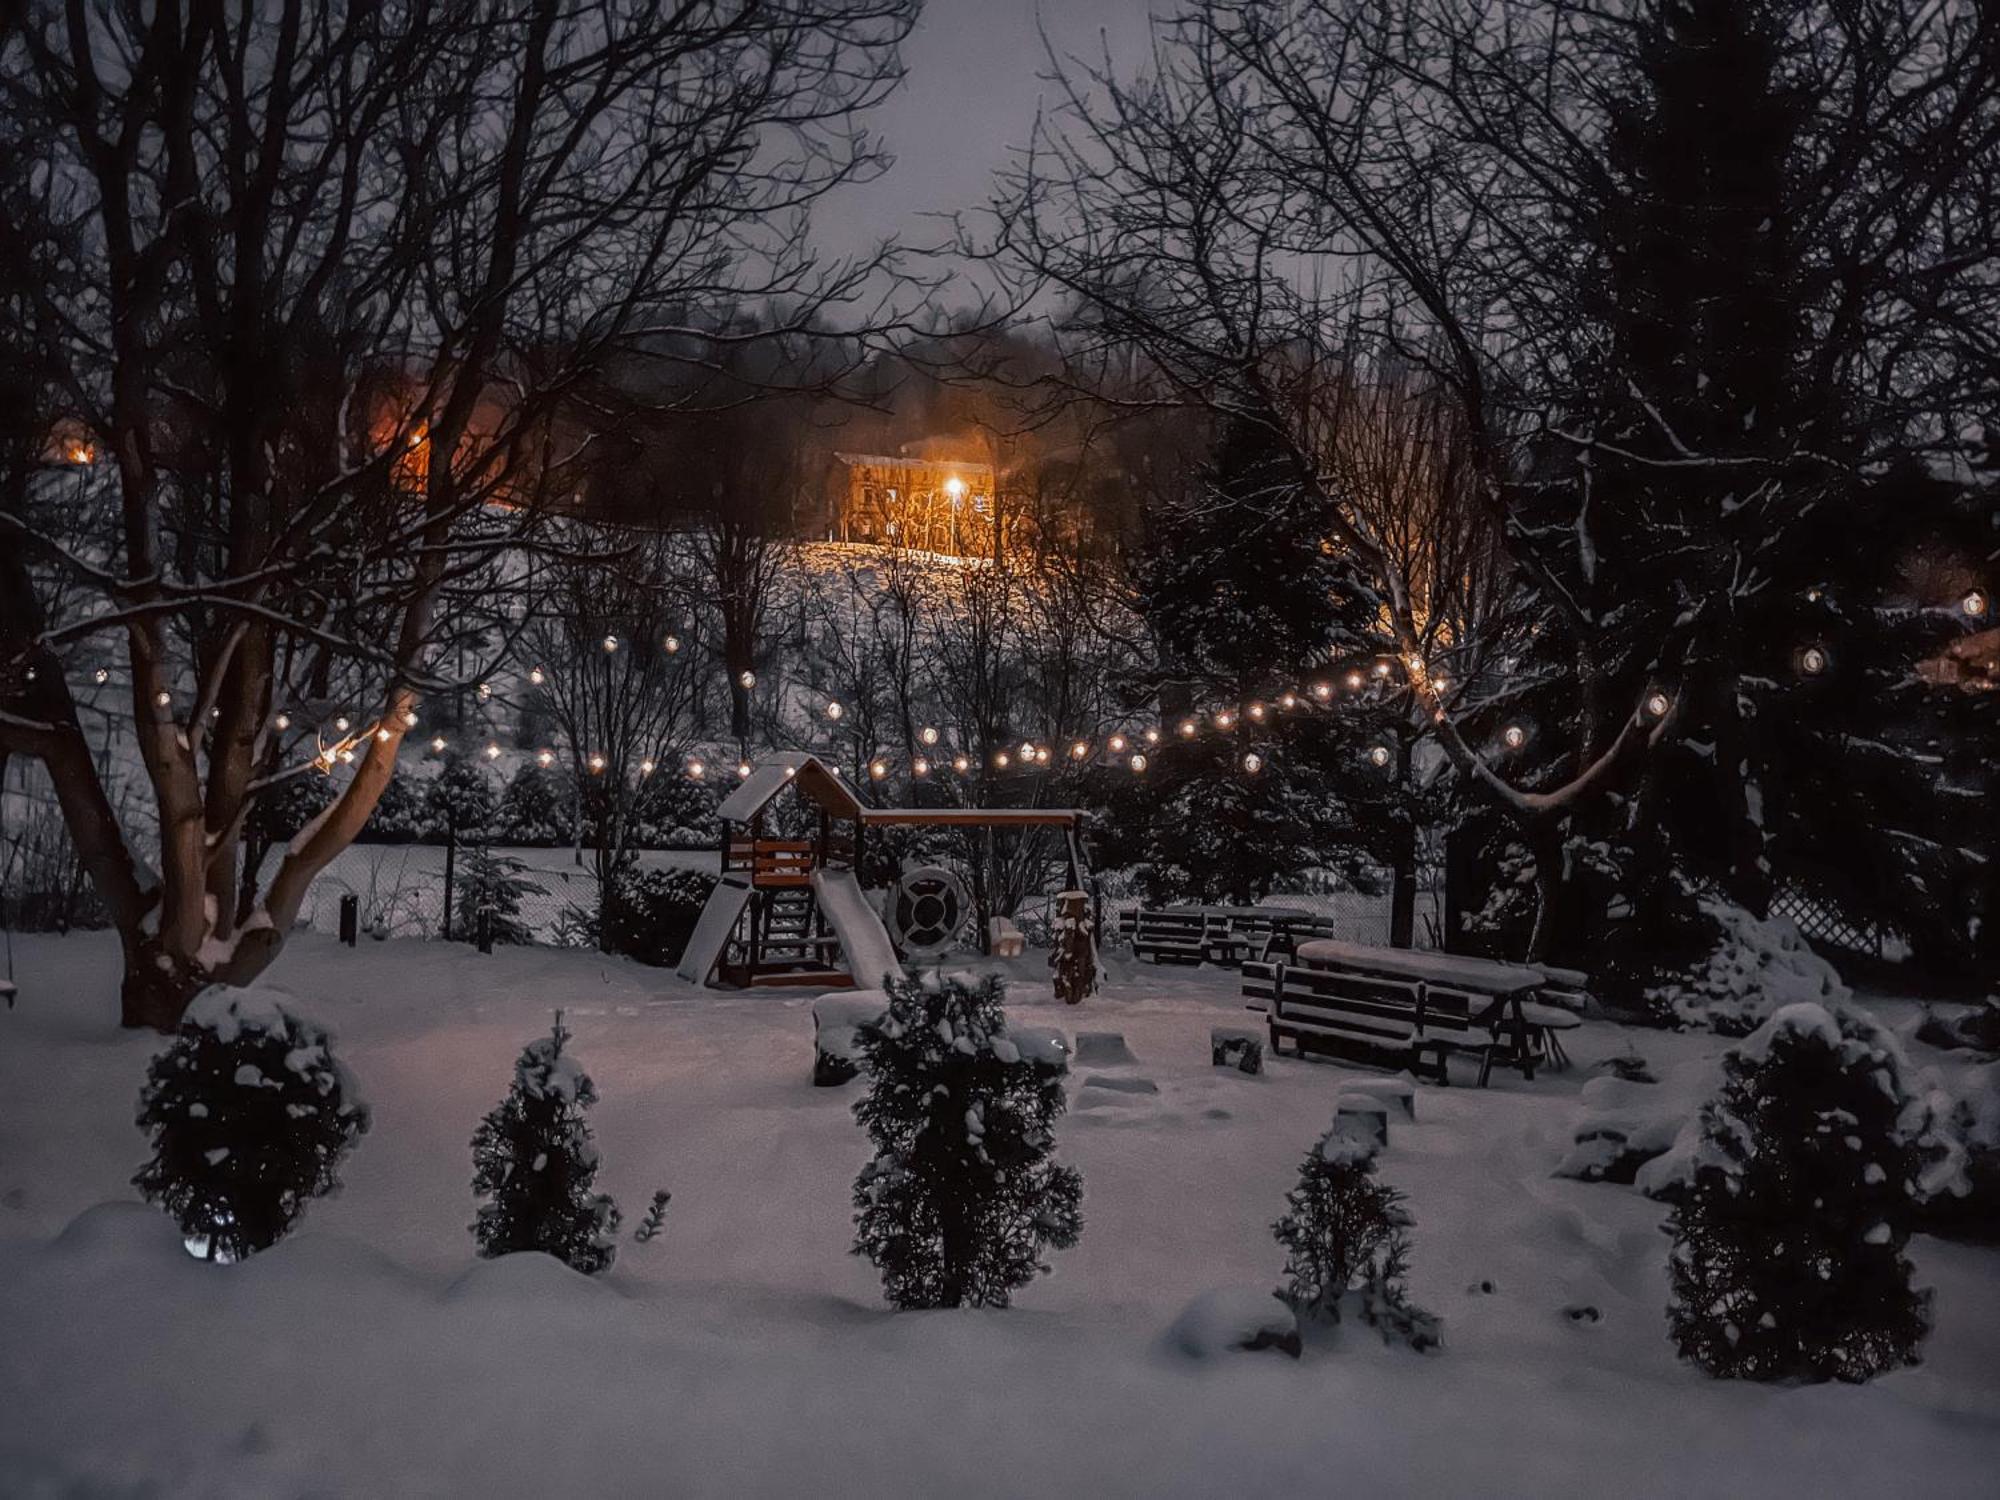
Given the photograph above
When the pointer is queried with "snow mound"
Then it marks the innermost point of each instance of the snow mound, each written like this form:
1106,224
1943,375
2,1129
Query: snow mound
120,1231
1102,1049
1227,1319
1038,1044
525,1275
1755,969
229,1012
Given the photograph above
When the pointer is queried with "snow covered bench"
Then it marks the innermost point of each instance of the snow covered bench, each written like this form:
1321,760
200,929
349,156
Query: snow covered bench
1417,1023
1174,934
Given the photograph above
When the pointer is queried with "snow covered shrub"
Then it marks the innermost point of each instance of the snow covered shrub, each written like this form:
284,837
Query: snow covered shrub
489,888
1962,1168
1073,955
249,1116
537,809
1788,1261
1345,1241
652,913
401,816
534,1162
459,801
961,1198
1754,969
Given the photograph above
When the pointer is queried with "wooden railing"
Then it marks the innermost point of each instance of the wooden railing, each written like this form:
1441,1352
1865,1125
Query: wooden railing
770,862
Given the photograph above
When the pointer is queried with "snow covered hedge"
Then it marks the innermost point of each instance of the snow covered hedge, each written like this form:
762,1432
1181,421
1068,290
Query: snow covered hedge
1755,969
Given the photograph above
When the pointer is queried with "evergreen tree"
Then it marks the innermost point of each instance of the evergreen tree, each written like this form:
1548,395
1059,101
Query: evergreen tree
537,809
488,890
1346,1249
249,1116
1788,1258
459,801
535,1164
961,1199
1242,593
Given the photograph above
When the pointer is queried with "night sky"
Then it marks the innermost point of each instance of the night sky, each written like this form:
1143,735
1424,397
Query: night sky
971,94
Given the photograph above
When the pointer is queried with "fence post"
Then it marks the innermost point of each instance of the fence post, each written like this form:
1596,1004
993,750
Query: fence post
450,861
483,928
350,919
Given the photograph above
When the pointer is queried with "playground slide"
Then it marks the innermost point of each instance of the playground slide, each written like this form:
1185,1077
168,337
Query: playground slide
864,941
718,920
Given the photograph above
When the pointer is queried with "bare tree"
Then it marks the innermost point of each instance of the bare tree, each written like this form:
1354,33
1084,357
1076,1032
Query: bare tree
328,278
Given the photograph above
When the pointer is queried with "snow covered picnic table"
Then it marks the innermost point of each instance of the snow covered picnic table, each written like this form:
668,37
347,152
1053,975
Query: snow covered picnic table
1460,971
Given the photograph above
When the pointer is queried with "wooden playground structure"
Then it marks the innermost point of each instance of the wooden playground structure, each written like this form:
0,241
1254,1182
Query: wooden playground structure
790,911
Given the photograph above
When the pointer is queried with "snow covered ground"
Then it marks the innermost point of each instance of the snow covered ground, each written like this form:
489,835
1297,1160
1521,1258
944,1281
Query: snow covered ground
745,1352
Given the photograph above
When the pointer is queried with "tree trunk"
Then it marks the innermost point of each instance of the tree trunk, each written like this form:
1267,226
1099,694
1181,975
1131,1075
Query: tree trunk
157,989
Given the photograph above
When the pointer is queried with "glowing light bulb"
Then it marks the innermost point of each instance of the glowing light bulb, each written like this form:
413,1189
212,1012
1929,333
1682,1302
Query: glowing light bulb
1288,701
955,487
746,680
382,734
1355,681
1379,755
743,770
610,643
648,766
671,644
101,675
1812,661
878,769
833,708
283,721
485,691
1224,719
1041,755
1322,691
1117,742
341,723
545,758
697,770
1188,727
492,751
1253,762
409,718
1256,712
1137,763
537,676
1152,736
347,757
1975,603
1381,669
1657,705
1000,759
1079,750
1514,736
921,766
928,734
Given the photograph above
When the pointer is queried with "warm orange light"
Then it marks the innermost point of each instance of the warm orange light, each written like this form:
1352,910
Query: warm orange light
80,453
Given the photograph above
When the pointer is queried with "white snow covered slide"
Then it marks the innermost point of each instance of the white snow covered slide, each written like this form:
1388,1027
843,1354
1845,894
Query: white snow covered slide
864,941
718,919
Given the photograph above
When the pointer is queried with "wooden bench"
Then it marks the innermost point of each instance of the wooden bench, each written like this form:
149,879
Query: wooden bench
1417,1023
1183,935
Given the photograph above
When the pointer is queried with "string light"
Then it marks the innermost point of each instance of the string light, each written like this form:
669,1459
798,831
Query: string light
1041,755
647,766
1322,691
1379,755
1253,762
492,751
1152,736
409,718
746,680
485,691
1514,736
1256,712
1138,763
697,770
102,676
1117,743
1381,669
1188,727
545,758
878,769
437,744
671,645
833,709
1000,759
1657,705
1079,750
921,766
1354,682
537,676
960,764
341,723
1975,603
928,734
1288,701
610,644
596,764
1224,719
283,721
382,734
743,770
1812,661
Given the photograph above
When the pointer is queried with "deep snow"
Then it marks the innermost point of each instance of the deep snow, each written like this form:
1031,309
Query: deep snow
745,1352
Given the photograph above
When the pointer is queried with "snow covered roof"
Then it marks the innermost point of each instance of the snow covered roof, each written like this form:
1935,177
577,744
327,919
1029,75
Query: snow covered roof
814,777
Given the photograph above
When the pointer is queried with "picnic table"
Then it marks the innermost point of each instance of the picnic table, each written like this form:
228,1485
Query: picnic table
1216,933
1426,1003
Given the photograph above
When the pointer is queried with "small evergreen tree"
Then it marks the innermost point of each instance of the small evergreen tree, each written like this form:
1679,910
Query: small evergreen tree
537,809
1788,1258
1074,956
535,1164
489,887
961,1199
1346,1245
249,1116
459,801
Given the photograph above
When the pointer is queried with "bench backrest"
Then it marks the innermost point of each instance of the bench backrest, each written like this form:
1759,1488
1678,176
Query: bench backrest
1395,1009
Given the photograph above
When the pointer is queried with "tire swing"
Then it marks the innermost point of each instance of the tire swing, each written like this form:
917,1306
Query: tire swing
926,910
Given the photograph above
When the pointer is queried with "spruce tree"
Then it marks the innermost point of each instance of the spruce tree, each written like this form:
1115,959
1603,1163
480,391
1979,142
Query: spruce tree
1788,1257
535,1164
961,1199
249,1116
486,895
1345,1241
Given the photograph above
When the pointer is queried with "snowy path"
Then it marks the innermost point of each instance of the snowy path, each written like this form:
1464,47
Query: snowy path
747,1353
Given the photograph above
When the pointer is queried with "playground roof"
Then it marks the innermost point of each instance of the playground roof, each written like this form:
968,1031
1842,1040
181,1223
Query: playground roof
814,778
